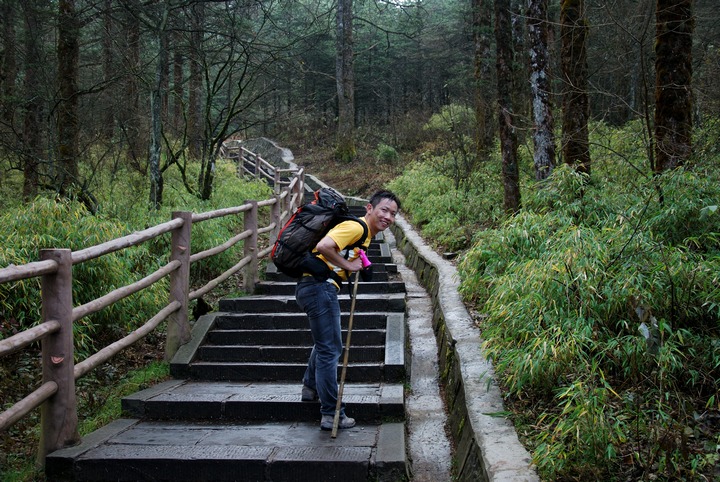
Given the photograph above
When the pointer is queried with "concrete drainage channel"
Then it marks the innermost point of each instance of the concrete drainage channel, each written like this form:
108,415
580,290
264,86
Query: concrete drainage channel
486,447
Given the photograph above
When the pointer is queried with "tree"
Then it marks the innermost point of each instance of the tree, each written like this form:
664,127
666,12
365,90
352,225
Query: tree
573,61
508,137
32,132
345,82
178,86
129,117
195,83
482,35
108,122
68,55
673,78
157,97
8,65
543,122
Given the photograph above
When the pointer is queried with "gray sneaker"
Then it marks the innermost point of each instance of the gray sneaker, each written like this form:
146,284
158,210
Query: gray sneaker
308,394
345,422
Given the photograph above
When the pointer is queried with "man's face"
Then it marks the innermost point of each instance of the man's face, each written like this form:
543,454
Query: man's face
381,216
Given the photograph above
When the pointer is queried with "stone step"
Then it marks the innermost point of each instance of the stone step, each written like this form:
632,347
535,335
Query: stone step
276,354
287,372
243,401
292,337
372,287
390,302
274,321
274,275
131,449
187,364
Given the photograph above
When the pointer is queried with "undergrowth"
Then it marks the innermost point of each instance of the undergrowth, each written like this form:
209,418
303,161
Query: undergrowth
99,398
599,305
48,222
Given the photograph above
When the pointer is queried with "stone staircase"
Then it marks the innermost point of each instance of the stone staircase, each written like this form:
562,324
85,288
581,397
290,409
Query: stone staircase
233,410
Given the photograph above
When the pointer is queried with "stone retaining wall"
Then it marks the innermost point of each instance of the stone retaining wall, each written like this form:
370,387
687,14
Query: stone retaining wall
487,446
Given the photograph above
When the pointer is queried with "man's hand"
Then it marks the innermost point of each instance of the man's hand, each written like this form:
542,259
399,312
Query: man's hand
329,249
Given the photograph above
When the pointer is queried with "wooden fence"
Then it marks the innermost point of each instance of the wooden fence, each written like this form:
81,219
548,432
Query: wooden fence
56,395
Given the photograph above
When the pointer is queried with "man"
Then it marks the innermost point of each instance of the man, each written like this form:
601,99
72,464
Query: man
319,299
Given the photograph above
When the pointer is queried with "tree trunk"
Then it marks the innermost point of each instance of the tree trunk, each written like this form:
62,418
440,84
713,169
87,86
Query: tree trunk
194,114
345,81
178,60
8,64
68,53
484,99
108,122
540,88
130,115
520,93
164,112
508,137
32,131
673,78
573,60
156,103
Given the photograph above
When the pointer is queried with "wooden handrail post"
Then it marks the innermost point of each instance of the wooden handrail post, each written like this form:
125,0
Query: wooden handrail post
301,189
250,248
298,190
276,211
276,183
178,325
257,165
58,415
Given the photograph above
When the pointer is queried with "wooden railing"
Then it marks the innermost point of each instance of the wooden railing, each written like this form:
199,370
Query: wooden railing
56,394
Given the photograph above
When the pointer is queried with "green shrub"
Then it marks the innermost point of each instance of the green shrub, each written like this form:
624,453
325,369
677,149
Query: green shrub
448,216
599,303
49,223
386,154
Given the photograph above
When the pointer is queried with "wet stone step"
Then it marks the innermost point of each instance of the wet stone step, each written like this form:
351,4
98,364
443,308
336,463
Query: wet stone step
200,400
129,450
391,302
288,337
373,287
288,372
380,273
272,354
274,321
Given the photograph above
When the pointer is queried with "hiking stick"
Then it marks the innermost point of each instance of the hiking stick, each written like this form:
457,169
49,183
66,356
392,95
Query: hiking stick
338,405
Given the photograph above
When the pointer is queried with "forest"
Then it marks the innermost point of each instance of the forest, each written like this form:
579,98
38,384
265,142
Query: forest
566,155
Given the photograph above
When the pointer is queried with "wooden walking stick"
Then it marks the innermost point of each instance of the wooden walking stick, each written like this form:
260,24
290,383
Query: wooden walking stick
338,405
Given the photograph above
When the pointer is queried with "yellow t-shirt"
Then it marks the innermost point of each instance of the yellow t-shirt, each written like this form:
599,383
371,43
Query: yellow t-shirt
345,234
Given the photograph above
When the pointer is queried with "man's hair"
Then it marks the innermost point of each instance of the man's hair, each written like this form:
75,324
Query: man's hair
384,194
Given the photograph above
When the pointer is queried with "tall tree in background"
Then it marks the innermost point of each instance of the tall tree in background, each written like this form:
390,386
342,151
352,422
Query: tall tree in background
108,119
575,107
345,82
33,106
177,89
129,117
484,112
8,64
508,137
673,78
68,56
543,122
195,82
157,97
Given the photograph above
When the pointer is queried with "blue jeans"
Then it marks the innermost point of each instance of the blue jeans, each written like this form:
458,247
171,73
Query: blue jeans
320,301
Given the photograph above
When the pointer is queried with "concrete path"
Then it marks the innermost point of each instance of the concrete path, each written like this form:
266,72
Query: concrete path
429,448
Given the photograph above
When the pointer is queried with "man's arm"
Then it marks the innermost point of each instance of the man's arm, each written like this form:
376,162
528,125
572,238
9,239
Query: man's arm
330,251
